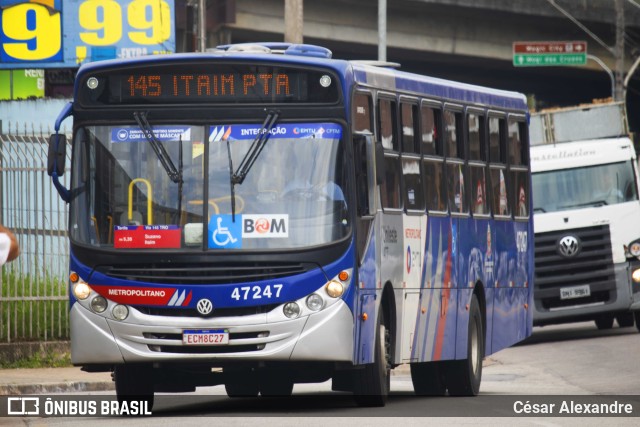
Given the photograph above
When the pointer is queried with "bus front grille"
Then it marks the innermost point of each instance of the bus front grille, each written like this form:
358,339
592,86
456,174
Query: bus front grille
592,265
217,312
212,273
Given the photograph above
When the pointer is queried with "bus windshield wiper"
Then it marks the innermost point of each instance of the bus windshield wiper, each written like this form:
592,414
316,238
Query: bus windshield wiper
173,173
250,157
256,147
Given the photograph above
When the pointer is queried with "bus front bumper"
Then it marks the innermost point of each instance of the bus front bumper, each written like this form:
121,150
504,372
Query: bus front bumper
326,335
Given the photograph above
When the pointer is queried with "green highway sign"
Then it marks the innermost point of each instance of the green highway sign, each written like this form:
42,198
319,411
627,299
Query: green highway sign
549,59
557,53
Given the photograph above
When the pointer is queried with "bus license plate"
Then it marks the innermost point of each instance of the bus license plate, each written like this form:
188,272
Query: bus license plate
205,337
575,292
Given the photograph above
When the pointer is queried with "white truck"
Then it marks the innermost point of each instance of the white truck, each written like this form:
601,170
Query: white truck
586,217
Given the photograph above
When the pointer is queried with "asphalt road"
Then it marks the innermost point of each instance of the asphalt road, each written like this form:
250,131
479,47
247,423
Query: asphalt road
569,362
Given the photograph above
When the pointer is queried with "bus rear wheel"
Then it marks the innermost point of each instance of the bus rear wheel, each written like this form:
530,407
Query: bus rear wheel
463,376
134,382
372,383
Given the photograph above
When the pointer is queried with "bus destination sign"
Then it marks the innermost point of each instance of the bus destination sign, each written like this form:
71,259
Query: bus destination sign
212,83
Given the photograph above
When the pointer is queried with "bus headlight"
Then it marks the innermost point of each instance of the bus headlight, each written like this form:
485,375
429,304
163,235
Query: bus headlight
81,290
334,289
315,302
636,275
291,310
99,304
120,312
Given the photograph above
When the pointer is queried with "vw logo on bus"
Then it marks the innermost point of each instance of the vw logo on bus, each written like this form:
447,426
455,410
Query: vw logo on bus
204,306
569,246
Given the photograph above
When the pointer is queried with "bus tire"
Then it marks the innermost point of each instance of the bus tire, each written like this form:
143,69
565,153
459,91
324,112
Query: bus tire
428,379
625,320
372,382
463,376
134,382
636,314
604,322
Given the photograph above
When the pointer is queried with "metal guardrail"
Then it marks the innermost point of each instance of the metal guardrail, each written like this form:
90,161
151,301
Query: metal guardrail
33,288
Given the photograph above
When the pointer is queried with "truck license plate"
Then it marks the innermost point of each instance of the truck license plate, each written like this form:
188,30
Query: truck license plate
575,292
205,337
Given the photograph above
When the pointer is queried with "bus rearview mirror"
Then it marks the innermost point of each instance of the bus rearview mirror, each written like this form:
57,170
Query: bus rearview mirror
57,154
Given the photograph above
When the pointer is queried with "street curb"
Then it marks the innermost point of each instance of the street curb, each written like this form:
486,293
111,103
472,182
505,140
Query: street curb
62,387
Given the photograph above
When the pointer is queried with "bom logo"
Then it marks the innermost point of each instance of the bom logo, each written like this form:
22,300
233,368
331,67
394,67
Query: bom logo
261,226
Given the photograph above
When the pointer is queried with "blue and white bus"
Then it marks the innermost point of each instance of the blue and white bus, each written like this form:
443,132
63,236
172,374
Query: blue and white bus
264,215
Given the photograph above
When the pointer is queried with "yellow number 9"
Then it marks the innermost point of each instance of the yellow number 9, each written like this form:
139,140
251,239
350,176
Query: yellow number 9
45,38
159,22
103,19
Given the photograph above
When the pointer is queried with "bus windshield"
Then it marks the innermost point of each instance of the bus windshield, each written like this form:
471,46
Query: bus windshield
125,197
591,186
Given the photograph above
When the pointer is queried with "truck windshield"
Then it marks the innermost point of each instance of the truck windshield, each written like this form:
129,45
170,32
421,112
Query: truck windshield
293,195
599,185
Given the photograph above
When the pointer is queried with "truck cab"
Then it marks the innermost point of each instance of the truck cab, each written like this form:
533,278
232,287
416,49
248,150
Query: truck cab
586,210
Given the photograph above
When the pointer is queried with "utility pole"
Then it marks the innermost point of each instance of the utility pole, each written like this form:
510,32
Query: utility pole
293,19
619,52
382,30
202,24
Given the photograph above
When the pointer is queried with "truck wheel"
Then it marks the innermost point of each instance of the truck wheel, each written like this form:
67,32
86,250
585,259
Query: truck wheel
625,320
604,321
463,376
372,383
428,379
134,382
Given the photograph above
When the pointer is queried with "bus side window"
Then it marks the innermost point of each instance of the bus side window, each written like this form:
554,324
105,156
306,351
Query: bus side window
362,113
498,172
390,187
475,126
434,184
387,124
409,118
452,132
413,188
430,135
455,156
518,163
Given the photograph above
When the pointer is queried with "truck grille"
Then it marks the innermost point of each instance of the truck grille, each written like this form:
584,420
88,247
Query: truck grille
593,265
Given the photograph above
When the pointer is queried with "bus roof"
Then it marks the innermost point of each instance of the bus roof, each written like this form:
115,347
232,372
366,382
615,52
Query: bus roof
363,74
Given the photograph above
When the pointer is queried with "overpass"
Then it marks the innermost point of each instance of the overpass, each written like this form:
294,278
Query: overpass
467,40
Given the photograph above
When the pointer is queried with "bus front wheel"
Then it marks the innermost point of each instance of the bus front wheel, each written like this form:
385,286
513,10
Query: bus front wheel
463,376
372,383
134,382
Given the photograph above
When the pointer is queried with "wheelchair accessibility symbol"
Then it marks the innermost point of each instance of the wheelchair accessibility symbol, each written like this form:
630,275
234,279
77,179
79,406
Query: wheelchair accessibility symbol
222,230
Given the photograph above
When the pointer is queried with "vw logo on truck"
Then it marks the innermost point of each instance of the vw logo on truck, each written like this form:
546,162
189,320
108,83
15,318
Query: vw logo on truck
569,246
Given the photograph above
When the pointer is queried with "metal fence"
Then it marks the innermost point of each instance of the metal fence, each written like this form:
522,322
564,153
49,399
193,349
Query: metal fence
34,291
